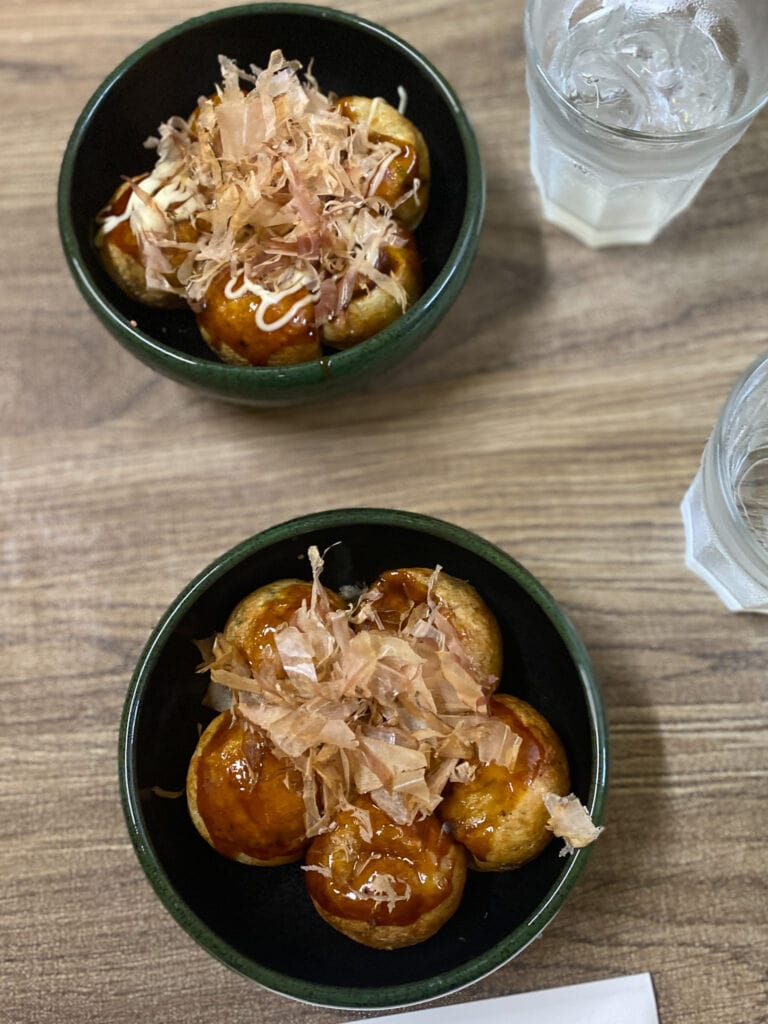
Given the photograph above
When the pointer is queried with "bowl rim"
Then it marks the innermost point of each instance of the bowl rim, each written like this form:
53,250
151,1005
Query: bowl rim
392,996
338,364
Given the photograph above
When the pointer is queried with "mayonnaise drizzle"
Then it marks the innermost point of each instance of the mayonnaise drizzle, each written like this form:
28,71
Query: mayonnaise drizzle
269,299
151,200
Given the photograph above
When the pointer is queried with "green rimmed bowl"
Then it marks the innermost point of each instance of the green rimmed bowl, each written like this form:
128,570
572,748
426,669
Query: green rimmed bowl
166,76
260,921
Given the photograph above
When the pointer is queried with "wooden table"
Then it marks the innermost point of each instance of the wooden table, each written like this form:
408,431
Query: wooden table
560,411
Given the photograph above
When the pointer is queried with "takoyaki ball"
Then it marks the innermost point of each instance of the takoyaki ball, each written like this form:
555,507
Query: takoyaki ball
250,328
387,887
120,252
408,167
252,622
403,589
371,309
500,816
244,800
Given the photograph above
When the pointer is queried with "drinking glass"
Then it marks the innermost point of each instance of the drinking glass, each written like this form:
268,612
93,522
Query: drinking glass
634,102
725,510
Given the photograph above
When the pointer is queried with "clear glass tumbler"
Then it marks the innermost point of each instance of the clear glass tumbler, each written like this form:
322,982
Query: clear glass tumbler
725,510
634,102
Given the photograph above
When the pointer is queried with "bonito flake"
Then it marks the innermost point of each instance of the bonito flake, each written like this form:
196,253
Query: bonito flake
279,185
358,709
570,821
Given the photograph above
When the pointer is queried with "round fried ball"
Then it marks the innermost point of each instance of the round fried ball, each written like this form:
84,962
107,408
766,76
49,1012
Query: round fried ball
371,308
252,622
409,167
247,328
244,800
500,816
381,884
401,590
120,253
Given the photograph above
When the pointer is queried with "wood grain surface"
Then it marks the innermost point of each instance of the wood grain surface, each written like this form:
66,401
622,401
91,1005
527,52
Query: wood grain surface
560,410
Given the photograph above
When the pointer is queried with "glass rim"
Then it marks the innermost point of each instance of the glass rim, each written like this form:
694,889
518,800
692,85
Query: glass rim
631,134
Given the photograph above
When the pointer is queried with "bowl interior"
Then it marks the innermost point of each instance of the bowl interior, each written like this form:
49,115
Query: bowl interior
168,75
260,921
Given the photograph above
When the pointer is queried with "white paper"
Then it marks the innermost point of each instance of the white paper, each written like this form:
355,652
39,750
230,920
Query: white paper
627,1000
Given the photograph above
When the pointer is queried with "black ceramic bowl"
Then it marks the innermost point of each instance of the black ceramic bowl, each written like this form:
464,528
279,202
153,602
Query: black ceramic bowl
166,76
260,921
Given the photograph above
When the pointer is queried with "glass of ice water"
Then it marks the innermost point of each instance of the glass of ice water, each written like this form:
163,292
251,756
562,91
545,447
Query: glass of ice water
634,102
725,510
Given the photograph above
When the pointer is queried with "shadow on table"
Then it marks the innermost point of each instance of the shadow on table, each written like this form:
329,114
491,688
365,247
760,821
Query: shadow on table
638,825
479,332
